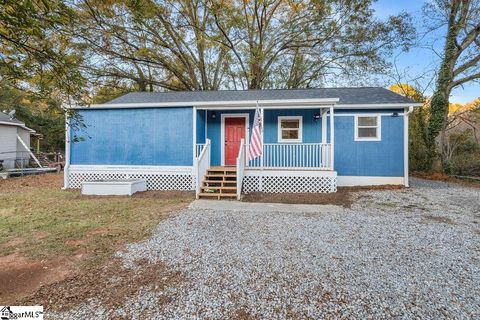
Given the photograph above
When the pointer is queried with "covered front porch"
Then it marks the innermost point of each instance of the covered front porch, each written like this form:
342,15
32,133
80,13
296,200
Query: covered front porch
298,147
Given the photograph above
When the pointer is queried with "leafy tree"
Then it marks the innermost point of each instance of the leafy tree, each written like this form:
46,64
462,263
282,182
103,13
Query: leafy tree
166,44
240,44
34,47
41,114
460,60
305,43
417,125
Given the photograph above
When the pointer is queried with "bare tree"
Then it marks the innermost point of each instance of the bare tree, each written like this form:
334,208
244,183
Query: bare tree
292,44
212,44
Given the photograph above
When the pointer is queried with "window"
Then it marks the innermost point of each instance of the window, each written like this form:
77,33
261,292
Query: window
290,129
367,128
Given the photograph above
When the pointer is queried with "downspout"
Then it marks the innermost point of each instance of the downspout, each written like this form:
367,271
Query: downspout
405,145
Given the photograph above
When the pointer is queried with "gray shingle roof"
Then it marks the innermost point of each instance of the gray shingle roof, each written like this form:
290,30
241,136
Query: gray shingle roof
6,118
365,95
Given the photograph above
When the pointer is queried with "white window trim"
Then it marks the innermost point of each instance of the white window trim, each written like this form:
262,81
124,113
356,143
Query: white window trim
378,126
300,129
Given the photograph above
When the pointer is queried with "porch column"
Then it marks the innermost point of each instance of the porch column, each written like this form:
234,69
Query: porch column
323,114
194,152
332,138
66,168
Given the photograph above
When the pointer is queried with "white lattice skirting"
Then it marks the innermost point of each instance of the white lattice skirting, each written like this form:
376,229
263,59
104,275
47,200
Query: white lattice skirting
291,183
167,178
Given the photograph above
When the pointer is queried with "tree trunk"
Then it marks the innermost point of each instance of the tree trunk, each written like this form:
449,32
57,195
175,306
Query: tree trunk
440,98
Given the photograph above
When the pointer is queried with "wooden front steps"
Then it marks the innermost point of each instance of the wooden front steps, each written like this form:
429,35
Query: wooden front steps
219,183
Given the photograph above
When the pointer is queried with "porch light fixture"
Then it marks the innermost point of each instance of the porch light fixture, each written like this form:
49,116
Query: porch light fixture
214,114
316,117
395,114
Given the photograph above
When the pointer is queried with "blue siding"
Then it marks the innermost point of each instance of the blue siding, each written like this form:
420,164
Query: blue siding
201,134
312,129
369,158
163,136
149,136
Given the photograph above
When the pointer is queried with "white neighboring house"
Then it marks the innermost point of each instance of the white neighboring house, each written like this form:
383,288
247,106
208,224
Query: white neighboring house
12,133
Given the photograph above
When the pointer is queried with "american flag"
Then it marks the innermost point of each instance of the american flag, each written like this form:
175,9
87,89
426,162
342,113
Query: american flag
256,144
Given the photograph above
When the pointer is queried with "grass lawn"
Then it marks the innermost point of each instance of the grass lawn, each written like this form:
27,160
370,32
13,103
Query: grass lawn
38,220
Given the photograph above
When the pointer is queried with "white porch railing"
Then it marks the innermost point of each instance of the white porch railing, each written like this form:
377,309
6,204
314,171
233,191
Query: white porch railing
202,163
240,167
198,149
294,156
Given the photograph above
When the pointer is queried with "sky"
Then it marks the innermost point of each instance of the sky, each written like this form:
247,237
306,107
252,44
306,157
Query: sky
418,60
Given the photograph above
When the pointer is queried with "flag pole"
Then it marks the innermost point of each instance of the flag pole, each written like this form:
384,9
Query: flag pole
261,131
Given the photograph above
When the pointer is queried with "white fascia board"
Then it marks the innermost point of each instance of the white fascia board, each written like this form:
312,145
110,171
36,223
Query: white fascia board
21,125
287,103
378,106
249,104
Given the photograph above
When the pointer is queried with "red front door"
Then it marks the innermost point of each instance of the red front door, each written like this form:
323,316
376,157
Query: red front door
234,133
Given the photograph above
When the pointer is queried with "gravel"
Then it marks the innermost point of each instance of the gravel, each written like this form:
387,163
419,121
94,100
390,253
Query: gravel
408,253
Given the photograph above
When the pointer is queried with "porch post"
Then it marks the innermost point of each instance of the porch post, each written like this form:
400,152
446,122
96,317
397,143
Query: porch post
332,138
323,113
66,168
324,148
263,149
194,149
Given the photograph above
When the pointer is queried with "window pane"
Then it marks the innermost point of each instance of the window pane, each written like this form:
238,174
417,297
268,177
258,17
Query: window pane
290,123
367,121
290,134
367,132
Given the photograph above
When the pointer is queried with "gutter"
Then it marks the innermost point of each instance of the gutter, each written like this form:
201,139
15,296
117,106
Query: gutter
410,109
267,104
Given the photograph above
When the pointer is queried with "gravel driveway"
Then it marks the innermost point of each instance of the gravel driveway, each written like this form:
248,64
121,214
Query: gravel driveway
408,253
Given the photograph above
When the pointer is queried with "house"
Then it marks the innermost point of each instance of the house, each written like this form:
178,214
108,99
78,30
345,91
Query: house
314,140
5,313
14,141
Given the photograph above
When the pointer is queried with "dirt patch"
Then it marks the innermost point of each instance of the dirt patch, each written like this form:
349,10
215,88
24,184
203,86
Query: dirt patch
20,275
338,198
165,194
440,219
47,180
7,212
437,176
14,242
149,194
110,284
242,314
343,196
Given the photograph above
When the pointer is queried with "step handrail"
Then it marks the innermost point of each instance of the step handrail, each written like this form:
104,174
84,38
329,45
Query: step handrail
202,164
240,167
